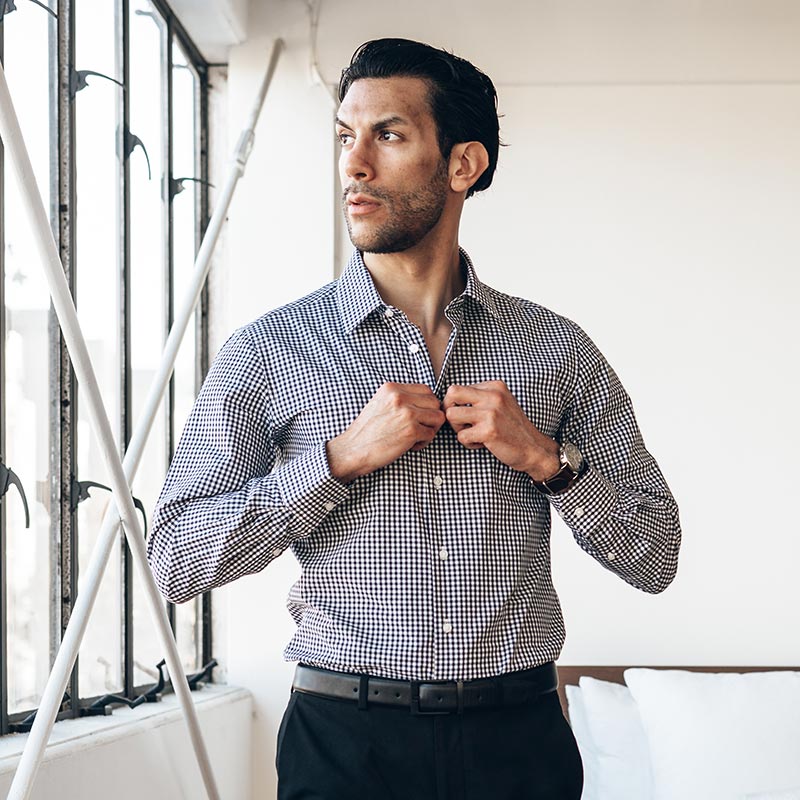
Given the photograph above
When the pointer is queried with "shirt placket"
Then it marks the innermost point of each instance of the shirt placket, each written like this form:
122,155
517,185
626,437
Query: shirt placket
442,481
444,635
432,465
412,341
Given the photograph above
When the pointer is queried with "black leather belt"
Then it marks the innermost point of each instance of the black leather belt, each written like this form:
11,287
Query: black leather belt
428,697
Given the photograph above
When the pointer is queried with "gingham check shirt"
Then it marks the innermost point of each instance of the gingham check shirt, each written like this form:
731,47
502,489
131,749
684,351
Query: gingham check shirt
436,566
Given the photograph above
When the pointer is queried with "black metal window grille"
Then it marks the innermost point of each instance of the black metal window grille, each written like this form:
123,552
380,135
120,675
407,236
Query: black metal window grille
115,110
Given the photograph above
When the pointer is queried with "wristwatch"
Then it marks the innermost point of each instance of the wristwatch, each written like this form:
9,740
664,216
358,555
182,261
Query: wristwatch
573,465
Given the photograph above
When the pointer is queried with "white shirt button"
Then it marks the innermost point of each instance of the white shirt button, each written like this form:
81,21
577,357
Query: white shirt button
413,348
447,627
443,554
276,552
438,481
611,556
578,512
329,506
389,313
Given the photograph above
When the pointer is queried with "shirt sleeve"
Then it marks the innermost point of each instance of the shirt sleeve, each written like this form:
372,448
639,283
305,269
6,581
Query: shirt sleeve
621,510
230,503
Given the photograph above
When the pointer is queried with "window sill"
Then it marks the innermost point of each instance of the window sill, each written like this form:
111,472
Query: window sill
76,735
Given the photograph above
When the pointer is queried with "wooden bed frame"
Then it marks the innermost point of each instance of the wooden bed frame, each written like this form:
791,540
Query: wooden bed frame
571,675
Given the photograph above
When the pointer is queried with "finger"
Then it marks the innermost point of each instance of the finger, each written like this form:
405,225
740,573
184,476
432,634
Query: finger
460,396
462,415
415,388
398,399
399,390
425,437
475,393
422,402
430,418
418,395
466,437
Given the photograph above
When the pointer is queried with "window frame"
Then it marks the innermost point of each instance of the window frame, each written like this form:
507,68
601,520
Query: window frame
63,396
3,549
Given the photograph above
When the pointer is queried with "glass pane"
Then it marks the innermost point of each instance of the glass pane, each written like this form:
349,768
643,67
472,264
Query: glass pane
97,245
184,87
148,284
27,406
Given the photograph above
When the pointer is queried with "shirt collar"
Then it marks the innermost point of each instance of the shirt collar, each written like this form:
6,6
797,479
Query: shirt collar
356,293
477,291
357,296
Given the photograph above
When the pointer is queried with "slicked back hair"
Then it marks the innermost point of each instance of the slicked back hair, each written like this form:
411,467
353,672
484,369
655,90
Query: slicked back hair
463,99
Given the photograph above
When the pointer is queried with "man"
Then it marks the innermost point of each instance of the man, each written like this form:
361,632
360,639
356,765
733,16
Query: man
405,430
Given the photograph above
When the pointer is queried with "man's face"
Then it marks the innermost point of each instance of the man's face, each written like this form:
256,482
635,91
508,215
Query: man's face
394,179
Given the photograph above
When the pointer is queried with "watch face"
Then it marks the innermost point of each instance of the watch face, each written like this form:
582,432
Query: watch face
572,456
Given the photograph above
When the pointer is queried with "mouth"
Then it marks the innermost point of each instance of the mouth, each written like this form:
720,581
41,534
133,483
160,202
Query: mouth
360,204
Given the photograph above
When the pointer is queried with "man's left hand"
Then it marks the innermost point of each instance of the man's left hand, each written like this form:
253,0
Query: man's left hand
487,415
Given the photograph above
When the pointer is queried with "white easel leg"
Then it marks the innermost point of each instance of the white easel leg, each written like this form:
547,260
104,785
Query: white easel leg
121,475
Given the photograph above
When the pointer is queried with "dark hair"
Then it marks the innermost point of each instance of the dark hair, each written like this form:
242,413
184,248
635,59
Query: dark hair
463,99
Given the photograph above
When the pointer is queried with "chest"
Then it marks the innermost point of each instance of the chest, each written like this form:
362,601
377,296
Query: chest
322,388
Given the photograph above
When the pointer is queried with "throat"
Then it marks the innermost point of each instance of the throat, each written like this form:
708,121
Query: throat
437,342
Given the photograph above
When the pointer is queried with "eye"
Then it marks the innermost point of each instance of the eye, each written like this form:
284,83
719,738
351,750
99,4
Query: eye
388,136
344,138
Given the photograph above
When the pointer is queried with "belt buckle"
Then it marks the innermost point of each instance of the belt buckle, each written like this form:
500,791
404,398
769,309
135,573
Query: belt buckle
416,711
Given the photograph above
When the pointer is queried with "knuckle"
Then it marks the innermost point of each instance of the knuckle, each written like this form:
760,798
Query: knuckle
395,400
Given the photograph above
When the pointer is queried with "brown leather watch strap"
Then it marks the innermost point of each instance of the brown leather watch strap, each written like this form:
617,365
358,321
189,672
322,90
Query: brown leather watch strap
564,479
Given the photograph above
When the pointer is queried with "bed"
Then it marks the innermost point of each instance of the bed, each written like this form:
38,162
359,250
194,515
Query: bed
685,733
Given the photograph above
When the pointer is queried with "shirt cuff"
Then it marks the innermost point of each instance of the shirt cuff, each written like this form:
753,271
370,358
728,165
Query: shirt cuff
587,504
309,490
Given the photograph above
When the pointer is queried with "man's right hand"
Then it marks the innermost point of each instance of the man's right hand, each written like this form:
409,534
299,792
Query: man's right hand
399,417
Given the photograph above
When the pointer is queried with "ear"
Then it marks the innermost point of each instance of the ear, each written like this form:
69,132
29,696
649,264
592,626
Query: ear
468,161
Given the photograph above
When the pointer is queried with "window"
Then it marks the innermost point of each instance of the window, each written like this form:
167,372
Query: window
120,158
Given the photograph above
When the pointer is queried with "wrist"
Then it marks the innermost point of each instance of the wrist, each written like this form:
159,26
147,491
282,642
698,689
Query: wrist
547,463
572,468
342,462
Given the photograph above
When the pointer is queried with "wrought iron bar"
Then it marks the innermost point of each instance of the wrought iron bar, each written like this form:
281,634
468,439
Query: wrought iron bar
62,301
34,749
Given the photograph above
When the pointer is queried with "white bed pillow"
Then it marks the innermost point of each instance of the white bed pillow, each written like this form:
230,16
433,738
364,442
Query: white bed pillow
620,746
580,729
719,736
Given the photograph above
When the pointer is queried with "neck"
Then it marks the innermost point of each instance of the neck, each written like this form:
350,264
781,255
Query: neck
420,281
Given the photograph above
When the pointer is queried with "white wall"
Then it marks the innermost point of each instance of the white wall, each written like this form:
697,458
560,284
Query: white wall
664,220
650,192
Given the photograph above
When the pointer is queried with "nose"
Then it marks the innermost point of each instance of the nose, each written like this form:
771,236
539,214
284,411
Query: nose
355,162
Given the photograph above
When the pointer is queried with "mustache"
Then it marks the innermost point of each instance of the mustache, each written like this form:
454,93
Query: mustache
357,188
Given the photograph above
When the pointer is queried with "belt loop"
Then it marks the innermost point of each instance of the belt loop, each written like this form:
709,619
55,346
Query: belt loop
363,692
459,697
415,697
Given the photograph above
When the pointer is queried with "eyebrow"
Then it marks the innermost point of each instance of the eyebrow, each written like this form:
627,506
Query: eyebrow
395,119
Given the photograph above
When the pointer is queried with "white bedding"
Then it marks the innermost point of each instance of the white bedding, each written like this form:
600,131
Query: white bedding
678,735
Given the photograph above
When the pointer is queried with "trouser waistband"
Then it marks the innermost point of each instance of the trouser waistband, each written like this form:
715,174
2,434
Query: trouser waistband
428,697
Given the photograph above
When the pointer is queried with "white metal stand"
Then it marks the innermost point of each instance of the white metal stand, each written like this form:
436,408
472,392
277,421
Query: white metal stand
122,511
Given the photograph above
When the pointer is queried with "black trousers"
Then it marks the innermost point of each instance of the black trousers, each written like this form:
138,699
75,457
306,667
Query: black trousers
331,750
